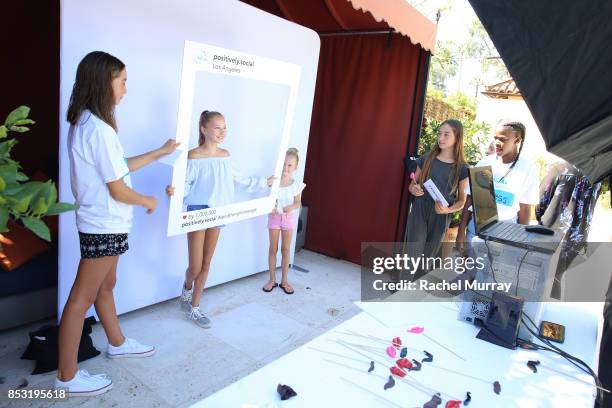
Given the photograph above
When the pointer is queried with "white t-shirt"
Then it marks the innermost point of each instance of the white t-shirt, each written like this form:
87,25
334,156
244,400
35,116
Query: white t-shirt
519,186
210,181
97,158
286,195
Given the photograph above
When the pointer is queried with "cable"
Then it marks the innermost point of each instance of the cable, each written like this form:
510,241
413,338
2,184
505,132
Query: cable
518,272
572,359
557,351
575,361
486,241
552,348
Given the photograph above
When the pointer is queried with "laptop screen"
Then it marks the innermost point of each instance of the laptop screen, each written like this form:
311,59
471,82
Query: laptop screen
483,196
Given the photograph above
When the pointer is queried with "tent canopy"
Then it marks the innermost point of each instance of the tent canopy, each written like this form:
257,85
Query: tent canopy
558,55
340,15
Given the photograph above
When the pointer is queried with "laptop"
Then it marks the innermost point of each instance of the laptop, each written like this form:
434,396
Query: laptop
488,226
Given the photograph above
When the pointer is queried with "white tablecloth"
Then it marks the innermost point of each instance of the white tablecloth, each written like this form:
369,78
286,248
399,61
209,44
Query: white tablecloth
321,383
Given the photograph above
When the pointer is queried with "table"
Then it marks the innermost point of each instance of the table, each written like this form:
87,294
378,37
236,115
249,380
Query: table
314,373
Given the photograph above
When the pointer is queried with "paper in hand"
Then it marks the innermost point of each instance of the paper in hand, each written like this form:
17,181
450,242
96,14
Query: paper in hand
434,192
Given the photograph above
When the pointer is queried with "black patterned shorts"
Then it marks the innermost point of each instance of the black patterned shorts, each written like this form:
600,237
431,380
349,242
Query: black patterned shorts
100,245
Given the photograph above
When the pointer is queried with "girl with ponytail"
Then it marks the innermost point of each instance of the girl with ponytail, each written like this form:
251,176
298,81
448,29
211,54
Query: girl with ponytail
282,221
210,182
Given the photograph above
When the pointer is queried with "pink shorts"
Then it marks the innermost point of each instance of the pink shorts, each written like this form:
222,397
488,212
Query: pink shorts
283,222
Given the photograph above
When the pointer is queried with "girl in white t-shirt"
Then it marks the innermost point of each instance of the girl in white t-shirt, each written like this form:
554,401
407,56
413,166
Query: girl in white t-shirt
282,221
100,181
210,181
515,179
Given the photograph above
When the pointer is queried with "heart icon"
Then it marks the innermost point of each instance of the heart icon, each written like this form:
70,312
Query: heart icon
184,216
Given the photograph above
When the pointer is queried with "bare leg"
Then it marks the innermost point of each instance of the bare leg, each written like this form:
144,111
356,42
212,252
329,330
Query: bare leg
90,275
210,243
274,234
286,252
105,307
195,243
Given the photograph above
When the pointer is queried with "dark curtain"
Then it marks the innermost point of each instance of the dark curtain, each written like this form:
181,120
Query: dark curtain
29,39
363,125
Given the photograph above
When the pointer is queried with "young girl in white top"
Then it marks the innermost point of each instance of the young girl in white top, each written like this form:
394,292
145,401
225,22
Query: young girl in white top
209,183
100,181
282,221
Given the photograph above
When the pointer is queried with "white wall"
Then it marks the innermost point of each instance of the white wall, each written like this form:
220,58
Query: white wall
148,36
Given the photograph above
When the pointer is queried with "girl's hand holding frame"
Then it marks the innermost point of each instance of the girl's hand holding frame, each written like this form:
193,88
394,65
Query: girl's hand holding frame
271,180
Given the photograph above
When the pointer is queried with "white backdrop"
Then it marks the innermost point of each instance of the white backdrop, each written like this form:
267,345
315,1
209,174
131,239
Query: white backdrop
148,36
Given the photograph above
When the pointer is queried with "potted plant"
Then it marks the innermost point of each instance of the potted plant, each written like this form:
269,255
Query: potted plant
24,201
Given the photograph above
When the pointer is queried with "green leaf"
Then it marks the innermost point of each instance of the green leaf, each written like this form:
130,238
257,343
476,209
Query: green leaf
21,112
24,122
58,208
19,129
40,207
13,189
21,205
9,172
5,147
37,226
22,176
3,132
51,193
2,184
37,189
4,215
33,187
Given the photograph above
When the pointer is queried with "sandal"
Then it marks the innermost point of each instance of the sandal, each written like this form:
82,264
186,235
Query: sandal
285,289
269,290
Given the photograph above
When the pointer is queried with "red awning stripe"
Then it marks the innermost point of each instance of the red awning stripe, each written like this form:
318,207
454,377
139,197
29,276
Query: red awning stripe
404,18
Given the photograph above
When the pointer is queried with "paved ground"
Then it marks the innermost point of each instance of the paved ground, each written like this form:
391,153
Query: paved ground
250,328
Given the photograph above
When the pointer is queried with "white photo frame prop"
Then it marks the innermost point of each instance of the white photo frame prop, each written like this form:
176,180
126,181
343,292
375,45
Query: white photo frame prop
223,79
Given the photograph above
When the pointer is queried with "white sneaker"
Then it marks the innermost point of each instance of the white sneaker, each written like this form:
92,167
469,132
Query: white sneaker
186,296
129,348
84,384
198,317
